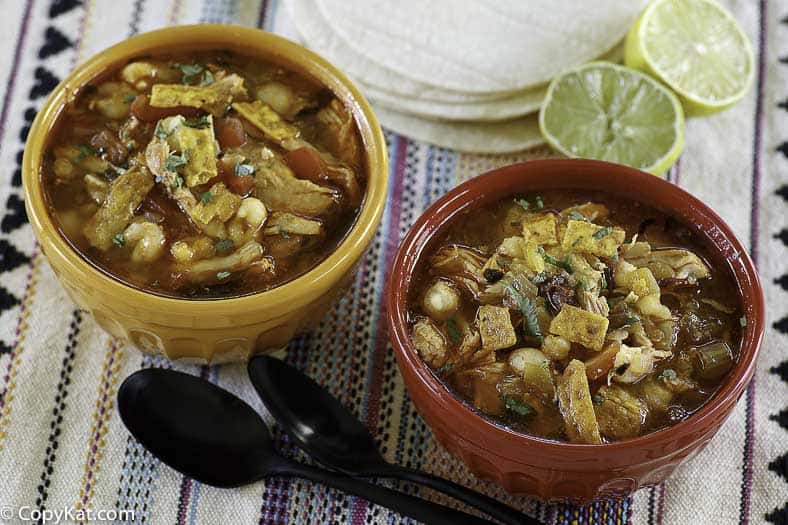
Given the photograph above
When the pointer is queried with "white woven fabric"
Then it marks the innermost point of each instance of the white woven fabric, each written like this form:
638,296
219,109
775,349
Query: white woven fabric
62,443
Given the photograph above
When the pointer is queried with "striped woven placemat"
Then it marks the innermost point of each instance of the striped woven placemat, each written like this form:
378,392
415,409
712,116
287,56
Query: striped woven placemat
62,445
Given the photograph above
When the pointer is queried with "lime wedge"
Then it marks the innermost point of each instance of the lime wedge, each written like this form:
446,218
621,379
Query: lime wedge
608,112
697,48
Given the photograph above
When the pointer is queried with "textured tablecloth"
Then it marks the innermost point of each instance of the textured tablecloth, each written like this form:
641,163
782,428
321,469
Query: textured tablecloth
62,444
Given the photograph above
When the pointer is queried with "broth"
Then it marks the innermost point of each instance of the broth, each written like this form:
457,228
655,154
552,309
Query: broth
576,316
204,175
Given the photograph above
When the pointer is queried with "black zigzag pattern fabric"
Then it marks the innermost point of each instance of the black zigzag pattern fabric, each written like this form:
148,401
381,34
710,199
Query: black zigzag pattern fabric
14,216
779,465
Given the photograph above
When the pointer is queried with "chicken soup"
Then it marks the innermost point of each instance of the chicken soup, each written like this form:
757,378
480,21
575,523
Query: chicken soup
204,175
575,316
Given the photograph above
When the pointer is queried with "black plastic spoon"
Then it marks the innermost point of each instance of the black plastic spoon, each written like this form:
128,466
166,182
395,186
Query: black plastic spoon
210,435
330,433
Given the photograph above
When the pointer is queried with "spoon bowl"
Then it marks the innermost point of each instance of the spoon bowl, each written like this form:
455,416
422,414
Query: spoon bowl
216,437
332,434
315,419
212,436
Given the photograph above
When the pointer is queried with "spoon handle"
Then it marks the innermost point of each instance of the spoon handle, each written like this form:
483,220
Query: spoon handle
416,508
490,506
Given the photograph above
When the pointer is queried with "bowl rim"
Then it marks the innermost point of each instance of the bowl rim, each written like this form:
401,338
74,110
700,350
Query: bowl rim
250,42
470,194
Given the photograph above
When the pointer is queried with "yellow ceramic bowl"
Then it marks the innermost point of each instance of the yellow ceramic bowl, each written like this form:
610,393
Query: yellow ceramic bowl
207,330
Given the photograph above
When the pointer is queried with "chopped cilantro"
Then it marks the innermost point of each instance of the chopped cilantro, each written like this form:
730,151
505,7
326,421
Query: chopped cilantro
130,98
199,123
549,259
445,369
207,79
668,374
539,278
632,319
522,203
178,182
190,72
530,320
518,407
454,332
223,275
119,239
85,151
602,232
224,245
206,197
243,170
577,216
160,133
597,399
742,321
174,162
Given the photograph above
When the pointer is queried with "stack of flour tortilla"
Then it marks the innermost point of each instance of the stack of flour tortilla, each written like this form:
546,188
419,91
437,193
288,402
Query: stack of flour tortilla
464,74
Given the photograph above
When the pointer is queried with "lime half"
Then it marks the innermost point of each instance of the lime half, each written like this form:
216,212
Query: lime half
697,48
608,112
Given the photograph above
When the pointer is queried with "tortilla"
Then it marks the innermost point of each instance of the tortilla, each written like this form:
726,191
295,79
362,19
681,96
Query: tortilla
318,35
481,46
516,105
472,137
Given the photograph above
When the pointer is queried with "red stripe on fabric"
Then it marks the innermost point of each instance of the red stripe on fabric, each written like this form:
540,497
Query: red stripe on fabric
175,12
186,483
389,247
9,90
263,12
83,23
660,503
24,304
749,433
183,500
106,392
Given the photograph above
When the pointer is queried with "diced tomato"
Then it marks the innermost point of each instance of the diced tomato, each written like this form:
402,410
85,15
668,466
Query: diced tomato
142,109
241,185
230,132
307,163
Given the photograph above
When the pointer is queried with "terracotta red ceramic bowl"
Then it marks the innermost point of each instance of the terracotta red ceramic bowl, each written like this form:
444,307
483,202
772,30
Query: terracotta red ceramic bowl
552,470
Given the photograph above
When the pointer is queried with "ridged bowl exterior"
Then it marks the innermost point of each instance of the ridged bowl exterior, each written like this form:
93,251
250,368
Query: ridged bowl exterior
552,470
207,331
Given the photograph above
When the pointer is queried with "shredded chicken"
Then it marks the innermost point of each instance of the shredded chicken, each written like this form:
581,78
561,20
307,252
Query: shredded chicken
567,309
116,211
429,342
239,260
282,223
